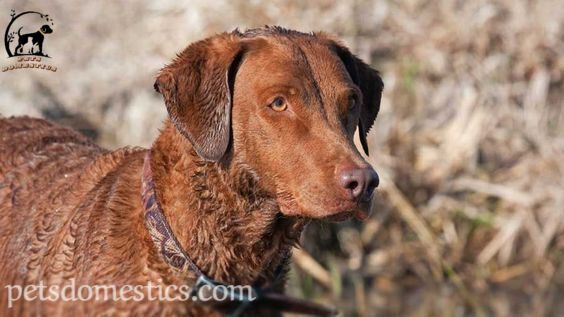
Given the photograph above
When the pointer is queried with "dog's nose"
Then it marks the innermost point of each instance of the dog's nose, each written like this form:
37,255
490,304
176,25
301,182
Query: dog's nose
359,182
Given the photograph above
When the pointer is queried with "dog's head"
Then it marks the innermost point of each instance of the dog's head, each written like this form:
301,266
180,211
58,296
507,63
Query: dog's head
45,29
285,105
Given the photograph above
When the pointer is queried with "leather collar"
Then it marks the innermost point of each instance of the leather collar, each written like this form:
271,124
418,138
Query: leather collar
174,255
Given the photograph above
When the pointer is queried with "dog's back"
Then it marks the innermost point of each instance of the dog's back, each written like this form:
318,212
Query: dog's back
27,141
52,180
38,158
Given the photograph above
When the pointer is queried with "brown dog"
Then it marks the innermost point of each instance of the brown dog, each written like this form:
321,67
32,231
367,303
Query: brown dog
260,139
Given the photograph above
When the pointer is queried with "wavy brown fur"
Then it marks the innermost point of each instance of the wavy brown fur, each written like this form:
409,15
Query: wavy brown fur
79,213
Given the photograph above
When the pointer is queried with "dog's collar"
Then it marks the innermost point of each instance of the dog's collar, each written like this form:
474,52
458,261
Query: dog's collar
175,256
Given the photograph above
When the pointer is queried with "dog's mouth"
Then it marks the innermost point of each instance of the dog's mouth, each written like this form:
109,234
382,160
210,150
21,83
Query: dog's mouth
359,210
340,217
359,213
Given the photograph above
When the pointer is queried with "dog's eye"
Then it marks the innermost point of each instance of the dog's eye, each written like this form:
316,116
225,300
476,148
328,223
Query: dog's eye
353,101
278,104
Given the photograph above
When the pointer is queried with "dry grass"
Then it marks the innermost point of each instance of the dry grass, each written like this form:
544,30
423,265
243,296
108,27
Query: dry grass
469,141
470,219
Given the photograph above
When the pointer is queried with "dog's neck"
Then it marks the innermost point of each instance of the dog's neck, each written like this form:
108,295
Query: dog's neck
232,230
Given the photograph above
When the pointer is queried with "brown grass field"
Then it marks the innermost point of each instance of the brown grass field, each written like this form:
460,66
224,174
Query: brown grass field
469,142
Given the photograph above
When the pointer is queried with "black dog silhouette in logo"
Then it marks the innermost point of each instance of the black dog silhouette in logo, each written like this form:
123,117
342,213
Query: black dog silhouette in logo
36,40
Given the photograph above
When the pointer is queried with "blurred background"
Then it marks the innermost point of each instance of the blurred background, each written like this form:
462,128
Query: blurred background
469,142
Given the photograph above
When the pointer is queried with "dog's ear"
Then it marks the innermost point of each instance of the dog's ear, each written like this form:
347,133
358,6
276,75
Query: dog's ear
371,85
197,89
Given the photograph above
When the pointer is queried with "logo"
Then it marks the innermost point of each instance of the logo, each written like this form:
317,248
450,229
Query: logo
25,39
